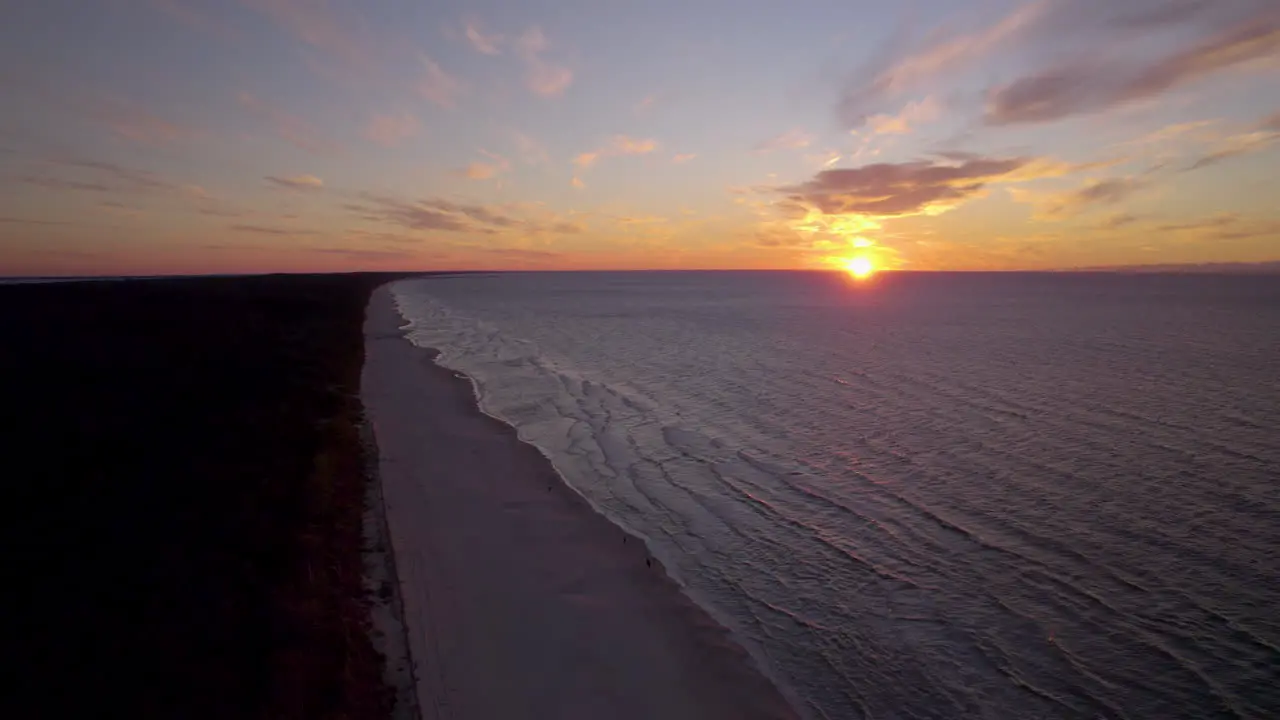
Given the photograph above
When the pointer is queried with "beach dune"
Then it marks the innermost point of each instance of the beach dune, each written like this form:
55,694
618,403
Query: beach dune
520,600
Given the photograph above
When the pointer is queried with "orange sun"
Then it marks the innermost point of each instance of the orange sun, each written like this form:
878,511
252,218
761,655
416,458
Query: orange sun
860,267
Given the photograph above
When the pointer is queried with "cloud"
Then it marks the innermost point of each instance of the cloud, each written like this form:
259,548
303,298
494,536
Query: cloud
297,182
265,230
618,145
358,254
1089,196
577,183
1083,87
479,171
197,20
449,216
485,170
119,208
487,44
437,85
1217,221
520,253
108,177
314,23
910,69
623,145
679,158
1262,137
290,127
1119,220
894,190
26,221
531,151
59,184
131,122
542,77
914,114
790,140
1069,56
391,130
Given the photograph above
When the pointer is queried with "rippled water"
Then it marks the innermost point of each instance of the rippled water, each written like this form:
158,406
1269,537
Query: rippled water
933,496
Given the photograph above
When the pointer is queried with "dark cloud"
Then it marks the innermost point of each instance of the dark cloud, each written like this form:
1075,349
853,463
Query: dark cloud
1087,87
1217,221
58,184
1059,41
25,221
887,189
1097,193
520,253
300,182
1119,221
120,178
449,216
265,230
1263,136
355,254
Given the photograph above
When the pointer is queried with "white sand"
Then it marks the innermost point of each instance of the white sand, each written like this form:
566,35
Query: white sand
520,600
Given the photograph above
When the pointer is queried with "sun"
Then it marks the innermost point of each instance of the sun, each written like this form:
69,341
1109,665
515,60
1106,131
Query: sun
860,267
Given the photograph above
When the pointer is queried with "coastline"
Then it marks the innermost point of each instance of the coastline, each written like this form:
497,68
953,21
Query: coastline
520,599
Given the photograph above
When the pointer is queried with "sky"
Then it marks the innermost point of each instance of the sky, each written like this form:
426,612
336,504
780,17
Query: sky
227,136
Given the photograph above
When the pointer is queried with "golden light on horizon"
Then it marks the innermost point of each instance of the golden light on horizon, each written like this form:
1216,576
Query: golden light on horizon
860,267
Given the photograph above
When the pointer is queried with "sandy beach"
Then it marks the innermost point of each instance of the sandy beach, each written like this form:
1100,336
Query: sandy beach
521,601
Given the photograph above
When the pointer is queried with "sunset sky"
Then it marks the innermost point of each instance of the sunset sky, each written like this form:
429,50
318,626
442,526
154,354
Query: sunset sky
192,136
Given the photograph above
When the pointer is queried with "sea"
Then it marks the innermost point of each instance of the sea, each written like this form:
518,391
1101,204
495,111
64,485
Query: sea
926,495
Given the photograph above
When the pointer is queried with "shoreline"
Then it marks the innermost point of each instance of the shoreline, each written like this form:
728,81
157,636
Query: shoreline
516,582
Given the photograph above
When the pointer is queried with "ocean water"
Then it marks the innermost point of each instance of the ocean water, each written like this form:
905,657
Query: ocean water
928,496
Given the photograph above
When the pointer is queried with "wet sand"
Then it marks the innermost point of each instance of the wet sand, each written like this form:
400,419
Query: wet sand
520,600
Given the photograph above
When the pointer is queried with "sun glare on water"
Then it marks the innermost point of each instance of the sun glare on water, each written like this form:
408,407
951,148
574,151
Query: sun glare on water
860,268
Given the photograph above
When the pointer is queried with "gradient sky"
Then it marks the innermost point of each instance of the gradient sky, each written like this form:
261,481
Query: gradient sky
157,136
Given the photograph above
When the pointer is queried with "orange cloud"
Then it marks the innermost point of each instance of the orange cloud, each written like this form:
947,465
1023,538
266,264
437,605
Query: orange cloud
618,145
542,77
683,157
577,183
290,127
1095,193
480,171
484,171
390,130
623,145
487,44
317,25
437,85
790,140
914,114
1262,137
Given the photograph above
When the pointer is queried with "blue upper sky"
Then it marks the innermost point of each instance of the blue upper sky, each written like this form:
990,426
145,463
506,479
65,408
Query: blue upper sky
210,135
